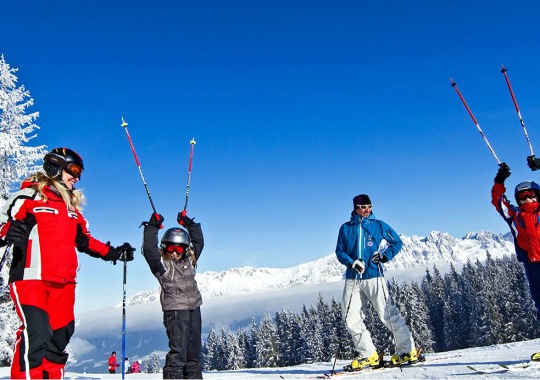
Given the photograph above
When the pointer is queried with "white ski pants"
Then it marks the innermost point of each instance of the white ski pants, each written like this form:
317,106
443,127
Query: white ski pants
355,298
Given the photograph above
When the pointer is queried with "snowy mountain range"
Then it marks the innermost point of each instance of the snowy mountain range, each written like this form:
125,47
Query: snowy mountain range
233,297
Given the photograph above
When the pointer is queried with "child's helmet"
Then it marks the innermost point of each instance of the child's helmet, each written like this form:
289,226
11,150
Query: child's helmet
176,236
527,185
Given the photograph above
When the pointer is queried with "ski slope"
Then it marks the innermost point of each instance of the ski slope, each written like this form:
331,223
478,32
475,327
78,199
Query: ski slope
443,365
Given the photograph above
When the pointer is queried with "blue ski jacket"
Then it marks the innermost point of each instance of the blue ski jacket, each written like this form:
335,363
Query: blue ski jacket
360,238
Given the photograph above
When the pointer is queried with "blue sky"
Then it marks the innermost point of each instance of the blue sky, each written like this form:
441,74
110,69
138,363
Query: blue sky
296,106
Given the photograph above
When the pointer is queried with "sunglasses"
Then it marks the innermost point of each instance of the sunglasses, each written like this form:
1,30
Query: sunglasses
74,169
363,207
179,249
527,194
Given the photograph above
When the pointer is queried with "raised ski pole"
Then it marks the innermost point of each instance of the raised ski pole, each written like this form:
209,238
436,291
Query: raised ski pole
124,124
192,142
475,122
379,266
124,319
504,70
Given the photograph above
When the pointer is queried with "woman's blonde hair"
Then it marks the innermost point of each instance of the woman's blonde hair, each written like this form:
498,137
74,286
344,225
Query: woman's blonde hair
74,199
190,252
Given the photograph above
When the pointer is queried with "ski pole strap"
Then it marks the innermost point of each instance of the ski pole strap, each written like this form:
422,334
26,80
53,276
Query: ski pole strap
474,120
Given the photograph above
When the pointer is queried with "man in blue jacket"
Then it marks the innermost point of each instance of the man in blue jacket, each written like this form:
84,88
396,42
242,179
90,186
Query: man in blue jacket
358,249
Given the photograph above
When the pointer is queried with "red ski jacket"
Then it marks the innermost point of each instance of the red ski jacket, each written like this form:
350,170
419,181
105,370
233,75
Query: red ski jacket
525,226
49,252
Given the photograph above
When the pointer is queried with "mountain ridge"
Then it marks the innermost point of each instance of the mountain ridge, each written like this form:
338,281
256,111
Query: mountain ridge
416,251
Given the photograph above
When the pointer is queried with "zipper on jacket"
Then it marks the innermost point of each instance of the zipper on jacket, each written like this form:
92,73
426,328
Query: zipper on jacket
360,240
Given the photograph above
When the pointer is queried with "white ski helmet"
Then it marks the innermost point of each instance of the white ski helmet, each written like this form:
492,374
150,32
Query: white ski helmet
175,236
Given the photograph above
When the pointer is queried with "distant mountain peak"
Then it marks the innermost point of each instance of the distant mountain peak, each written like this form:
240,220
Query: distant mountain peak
417,251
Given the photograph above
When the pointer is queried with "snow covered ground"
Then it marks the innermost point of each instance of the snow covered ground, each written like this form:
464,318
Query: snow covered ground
444,365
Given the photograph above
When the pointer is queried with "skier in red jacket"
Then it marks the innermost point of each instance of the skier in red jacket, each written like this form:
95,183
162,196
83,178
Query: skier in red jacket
113,364
523,221
43,222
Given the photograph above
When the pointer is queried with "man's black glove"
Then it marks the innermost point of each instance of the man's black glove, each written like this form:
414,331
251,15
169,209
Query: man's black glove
503,173
122,253
378,258
184,220
533,162
18,232
358,266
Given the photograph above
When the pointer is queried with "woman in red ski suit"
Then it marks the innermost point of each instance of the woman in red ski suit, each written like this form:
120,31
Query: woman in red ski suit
524,225
44,224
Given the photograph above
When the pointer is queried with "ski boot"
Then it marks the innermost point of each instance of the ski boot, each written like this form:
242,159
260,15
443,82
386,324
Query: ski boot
535,357
373,361
412,357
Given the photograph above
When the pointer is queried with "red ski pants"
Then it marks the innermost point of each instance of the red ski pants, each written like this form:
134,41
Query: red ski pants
46,313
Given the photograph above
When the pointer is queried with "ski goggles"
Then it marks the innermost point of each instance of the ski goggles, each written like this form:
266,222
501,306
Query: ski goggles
74,169
363,207
178,249
527,194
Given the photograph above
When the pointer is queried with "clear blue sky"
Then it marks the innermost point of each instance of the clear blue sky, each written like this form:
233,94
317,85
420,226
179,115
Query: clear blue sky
296,106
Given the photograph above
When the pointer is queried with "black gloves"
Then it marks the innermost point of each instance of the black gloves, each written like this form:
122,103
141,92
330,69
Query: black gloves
378,258
503,173
122,253
156,220
18,232
358,266
184,220
533,162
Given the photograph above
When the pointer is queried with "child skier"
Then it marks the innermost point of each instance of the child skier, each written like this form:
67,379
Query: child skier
136,367
523,222
173,264
44,223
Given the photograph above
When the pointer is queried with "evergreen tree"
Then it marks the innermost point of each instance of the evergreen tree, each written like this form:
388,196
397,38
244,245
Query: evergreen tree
221,355
235,356
209,350
343,345
324,329
16,127
267,347
245,348
419,321
452,312
433,288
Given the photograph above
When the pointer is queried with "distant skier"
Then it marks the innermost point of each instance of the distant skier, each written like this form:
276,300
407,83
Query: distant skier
127,367
136,366
358,249
523,221
173,264
44,223
113,364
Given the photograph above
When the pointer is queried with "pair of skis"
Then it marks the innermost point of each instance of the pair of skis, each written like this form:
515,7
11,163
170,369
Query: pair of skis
503,368
503,70
347,370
